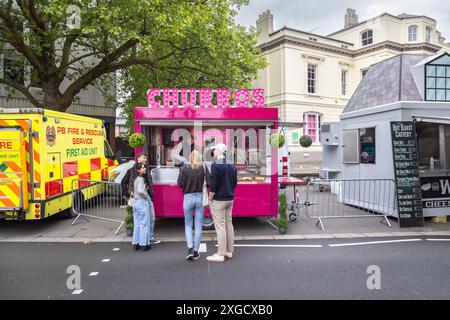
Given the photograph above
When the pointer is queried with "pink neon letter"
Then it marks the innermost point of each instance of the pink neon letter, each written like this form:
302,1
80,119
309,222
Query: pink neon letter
258,98
170,95
206,96
238,102
188,103
223,98
151,98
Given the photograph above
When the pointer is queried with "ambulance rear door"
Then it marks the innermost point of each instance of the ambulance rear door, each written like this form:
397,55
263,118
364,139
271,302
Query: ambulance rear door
13,169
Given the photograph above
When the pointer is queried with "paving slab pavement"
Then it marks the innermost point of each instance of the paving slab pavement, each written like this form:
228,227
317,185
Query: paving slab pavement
58,229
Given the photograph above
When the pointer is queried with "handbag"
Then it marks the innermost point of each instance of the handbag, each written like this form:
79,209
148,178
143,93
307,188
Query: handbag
131,200
205,190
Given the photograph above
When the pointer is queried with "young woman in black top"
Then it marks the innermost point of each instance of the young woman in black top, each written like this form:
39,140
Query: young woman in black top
191,180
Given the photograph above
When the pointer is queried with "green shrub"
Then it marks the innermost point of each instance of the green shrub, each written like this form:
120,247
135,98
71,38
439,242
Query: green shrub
129,223
305,141
136,140
283,220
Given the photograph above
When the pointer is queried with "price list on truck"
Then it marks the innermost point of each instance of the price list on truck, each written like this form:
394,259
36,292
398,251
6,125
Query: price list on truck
406,169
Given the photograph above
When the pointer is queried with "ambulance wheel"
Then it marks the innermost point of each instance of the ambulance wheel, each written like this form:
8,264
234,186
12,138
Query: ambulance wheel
208,223
293,217
68,214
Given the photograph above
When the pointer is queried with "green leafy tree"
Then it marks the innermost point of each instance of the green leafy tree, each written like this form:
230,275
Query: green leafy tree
216,53
68,45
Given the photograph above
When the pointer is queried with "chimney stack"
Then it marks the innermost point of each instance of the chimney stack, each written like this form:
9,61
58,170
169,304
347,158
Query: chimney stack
351,18
264,24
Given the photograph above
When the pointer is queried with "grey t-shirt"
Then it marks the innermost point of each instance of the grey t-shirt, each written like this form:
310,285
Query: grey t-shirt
140,190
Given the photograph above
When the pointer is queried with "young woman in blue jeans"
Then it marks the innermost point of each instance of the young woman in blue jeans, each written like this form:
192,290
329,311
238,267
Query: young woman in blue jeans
141,209
191,179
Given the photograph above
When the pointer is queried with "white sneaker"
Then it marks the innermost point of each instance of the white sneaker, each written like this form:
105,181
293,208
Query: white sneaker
216,258
229,255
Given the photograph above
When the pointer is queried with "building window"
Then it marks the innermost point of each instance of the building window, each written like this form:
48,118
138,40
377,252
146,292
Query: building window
437,83
412,33
367,37
367,145
359,146
428,35
432,145
312,78
295,137
311,125
427,142
344,74
14,70
34,79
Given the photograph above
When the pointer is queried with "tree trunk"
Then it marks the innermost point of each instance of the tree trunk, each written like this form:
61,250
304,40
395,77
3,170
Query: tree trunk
53,99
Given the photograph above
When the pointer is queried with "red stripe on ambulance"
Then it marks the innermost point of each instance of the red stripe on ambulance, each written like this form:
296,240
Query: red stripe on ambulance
70,169
96,164
53,188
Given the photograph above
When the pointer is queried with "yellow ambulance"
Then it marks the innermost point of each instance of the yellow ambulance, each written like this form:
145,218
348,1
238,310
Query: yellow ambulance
42,152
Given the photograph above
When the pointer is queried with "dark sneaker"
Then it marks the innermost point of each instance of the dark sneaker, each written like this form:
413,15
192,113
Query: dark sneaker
190,254
154,241
147,247
196,255
136,247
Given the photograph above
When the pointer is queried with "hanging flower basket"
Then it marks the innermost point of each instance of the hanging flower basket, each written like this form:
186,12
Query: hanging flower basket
305,141
136,140
277,140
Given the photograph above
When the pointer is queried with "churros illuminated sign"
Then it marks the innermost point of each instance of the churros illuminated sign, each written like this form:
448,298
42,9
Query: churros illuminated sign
205,98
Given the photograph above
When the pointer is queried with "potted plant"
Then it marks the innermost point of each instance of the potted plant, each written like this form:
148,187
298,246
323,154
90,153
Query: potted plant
305,141
129,224
277,140
136,140
283,219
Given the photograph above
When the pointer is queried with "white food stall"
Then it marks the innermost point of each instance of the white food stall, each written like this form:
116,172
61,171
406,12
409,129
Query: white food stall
411,90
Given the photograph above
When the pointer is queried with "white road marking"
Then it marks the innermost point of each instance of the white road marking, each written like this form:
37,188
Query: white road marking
279,245
77,292
106,260
372,242
116,249
202,248
438,239
93,274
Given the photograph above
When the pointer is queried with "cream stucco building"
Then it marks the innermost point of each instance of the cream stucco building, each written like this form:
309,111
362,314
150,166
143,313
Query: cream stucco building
311,78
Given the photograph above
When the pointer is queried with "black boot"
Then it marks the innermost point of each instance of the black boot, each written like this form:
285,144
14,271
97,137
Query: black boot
136,247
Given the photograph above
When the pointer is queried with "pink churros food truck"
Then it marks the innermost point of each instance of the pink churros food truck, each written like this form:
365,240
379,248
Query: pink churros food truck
173,116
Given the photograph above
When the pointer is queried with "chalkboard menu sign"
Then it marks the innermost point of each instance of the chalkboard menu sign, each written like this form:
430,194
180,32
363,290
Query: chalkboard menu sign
406,169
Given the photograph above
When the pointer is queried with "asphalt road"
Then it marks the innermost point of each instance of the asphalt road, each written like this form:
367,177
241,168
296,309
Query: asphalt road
259,270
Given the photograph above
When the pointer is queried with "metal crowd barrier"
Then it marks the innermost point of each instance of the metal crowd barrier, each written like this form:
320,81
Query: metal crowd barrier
351,199
99,200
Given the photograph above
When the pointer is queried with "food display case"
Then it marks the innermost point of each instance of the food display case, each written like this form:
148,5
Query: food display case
245,131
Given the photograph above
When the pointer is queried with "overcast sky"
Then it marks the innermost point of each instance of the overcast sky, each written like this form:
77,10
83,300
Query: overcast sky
326,16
